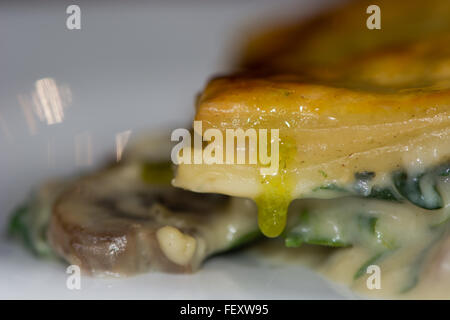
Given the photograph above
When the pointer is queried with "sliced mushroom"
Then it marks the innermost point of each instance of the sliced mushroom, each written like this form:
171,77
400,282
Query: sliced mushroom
115,223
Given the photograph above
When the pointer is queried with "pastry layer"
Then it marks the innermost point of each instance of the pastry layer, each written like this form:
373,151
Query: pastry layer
387,111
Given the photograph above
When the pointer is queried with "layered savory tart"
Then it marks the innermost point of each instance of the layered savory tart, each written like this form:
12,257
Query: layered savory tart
378,129
363,120
352,153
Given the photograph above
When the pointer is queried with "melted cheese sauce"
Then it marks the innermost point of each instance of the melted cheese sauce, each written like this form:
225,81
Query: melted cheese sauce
418,267
414,243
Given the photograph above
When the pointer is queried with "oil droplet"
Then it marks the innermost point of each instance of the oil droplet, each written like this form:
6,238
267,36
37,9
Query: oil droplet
272,214
273,203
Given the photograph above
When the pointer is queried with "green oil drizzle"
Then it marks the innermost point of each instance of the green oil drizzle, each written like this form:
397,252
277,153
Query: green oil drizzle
272,210
276,194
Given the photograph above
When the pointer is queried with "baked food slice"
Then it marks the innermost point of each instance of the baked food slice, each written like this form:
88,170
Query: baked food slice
379,126
341,34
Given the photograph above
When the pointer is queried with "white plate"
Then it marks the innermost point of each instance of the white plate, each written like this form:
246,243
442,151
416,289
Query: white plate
132,67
